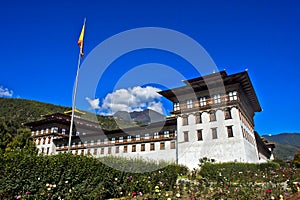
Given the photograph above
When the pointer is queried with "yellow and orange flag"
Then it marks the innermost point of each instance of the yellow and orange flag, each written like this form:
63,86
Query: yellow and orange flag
80,40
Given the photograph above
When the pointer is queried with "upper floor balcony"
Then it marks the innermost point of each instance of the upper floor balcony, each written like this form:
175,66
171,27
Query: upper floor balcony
204,103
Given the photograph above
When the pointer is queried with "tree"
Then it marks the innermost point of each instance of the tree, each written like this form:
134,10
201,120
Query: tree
22,140
297,159
5,136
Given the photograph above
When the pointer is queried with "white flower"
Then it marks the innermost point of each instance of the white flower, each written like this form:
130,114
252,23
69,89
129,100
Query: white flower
178,195
48,188
39,179
54,185
47,184
66,181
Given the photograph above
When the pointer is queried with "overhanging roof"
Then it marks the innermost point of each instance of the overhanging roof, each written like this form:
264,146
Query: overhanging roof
201,84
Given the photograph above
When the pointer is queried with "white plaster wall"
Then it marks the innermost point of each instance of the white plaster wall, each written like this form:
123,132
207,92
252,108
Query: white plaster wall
166,155
222,149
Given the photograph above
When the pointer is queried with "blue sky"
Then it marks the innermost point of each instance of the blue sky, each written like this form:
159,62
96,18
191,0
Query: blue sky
39,47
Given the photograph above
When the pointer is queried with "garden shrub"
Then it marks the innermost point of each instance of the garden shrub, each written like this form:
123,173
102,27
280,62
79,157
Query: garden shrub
24,173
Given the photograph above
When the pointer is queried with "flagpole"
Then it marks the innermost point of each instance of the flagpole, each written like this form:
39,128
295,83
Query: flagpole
74,102
74,93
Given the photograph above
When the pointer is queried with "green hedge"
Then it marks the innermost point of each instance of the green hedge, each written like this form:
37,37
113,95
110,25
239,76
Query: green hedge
66,176
235,171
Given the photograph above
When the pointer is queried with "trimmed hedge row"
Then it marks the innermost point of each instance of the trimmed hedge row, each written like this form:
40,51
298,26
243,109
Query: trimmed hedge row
66,176
233,170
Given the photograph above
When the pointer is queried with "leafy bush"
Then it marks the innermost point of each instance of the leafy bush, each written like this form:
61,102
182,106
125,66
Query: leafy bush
296,160
24,173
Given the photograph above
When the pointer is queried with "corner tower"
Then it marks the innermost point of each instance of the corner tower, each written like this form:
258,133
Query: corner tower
215,118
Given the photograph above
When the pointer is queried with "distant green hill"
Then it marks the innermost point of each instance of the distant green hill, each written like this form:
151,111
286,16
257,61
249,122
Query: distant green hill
15,112
19,111
287,144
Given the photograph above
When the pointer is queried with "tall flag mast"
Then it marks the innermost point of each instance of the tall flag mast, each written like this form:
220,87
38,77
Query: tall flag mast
80,56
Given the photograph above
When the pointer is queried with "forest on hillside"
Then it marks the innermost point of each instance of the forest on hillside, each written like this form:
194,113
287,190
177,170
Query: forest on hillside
14,113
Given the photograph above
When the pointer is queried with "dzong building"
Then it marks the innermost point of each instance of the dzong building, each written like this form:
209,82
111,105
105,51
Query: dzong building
212,116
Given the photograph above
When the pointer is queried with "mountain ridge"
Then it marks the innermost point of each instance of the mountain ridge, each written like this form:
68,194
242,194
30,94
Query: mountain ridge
286,145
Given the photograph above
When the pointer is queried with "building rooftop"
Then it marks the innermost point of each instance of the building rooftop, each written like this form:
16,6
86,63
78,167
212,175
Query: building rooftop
213,81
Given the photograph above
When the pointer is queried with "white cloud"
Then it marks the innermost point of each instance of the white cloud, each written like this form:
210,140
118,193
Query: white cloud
156,106
132,99
5,92
94,103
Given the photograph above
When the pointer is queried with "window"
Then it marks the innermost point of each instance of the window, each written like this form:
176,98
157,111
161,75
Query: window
76,152
152,147
89,152
147,136
39,142
185,120
121,139
95,151
162,146
142,147
113,140
42,150
199,135
217,98
92,142
55,130
105,140
47,130
198,118
48,150
44,140
109,150
63,131
156,135
49,140
232,95
227,113
212,116
102,150
176,106
172,145
81,152
138,137
125,149
214,133
117,149
79,143
129,137
202,101
229,131
189,103
133,148
166,133
186,136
